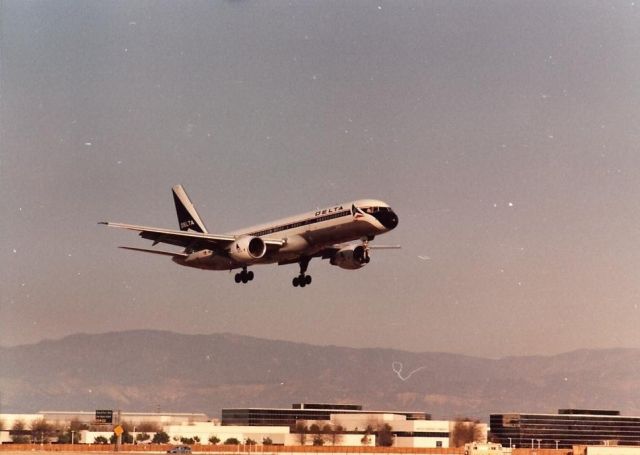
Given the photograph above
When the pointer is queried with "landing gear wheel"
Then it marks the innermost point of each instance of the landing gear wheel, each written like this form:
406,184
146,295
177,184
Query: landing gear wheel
244,276
301,280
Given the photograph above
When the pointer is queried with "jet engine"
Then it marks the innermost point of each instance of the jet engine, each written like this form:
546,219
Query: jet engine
351,257
247,249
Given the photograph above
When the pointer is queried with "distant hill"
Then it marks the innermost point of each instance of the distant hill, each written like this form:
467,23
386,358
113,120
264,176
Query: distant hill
164,371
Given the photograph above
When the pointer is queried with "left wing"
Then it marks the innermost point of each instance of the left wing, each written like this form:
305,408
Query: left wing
330,251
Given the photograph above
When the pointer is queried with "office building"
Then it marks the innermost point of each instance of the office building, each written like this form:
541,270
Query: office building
301,411
565,429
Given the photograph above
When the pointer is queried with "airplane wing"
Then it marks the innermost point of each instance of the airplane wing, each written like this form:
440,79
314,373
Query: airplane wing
146,250
330,251
186,239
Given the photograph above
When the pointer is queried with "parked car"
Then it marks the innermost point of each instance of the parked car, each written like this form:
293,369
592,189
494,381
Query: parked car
180,450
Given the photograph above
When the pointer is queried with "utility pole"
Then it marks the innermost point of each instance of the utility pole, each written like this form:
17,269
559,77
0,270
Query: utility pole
119,435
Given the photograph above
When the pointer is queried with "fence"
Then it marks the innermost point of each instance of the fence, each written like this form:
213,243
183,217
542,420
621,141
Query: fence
259,449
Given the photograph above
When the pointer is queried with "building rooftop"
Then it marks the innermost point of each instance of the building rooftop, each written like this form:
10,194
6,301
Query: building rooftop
595,412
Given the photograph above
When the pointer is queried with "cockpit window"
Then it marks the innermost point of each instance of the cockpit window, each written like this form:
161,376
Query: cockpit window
372,210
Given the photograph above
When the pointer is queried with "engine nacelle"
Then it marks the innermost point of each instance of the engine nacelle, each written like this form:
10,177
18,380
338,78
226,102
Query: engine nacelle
247,249
351,257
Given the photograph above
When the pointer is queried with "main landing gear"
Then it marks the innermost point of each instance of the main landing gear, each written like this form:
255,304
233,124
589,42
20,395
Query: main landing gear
244,276
302,280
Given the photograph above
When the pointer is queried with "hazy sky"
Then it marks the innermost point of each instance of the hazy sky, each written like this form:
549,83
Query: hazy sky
505,134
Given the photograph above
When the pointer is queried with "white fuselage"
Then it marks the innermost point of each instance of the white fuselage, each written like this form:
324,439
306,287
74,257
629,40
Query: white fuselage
303,235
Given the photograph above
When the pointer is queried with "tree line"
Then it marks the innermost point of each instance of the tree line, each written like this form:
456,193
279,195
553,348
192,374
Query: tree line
320,434
40,431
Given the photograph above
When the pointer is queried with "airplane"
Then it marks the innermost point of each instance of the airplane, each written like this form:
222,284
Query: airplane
323,233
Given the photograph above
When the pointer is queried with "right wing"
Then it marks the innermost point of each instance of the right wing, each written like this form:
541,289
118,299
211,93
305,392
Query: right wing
330,251
186,239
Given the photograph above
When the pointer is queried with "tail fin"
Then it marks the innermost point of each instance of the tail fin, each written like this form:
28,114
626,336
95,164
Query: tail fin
187,215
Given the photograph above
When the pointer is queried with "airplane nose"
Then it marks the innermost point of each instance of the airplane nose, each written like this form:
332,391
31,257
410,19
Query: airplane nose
392,222
388,219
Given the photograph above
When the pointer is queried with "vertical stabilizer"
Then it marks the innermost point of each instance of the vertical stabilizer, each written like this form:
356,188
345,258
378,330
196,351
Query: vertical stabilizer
188,218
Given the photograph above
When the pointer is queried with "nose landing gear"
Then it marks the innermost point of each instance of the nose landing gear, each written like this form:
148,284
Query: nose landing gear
302,280
244,276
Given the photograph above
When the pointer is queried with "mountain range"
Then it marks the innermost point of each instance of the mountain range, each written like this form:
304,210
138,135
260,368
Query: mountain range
158,371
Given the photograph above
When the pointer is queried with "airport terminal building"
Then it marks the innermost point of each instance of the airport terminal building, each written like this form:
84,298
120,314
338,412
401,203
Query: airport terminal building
565,429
